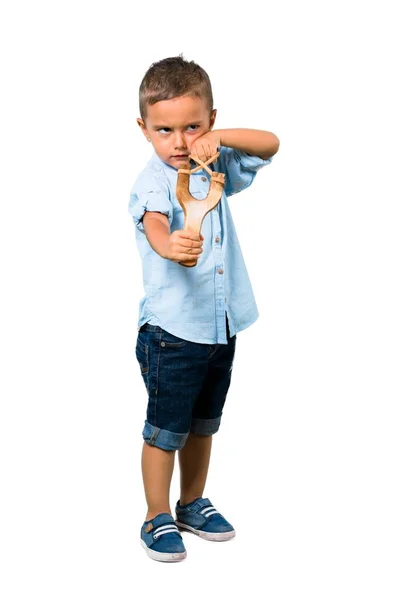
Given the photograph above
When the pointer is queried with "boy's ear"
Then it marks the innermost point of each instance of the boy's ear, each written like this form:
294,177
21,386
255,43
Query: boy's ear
142,126
212,118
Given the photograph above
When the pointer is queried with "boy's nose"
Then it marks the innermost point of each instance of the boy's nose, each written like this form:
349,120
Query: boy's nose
179,141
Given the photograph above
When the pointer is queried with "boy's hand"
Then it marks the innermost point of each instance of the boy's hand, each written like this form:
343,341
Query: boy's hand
206,146
178,246
183,245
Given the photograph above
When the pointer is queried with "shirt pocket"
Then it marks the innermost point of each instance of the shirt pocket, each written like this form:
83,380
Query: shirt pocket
196,190
178,214
198,193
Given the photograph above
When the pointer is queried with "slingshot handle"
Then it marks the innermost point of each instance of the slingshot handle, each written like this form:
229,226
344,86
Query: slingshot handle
195,210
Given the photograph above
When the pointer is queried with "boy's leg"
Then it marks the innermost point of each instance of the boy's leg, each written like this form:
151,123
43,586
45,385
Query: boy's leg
157,470
173,371
194,460
193,512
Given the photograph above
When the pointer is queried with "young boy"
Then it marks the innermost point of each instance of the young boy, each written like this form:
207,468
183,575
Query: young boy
189,317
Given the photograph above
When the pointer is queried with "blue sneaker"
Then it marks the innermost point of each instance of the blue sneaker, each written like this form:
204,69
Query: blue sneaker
200,517
162,540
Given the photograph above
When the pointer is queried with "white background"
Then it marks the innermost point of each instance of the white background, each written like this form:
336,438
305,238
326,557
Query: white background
311,462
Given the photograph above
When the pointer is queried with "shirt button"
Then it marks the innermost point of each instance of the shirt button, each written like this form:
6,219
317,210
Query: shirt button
217,239
220,271
203,178
163,344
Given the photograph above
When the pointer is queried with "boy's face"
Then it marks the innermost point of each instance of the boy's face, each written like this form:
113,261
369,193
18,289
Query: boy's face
173,126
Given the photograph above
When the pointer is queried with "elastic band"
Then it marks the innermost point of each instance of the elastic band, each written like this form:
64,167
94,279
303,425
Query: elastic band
201,165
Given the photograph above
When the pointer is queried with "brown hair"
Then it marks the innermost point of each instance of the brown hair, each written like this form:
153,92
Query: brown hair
173,77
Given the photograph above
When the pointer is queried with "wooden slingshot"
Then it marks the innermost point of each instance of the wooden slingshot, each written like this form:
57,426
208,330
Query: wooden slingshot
195,210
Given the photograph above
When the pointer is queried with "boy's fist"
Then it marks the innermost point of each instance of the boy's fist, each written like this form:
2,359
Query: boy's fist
206,146
184,245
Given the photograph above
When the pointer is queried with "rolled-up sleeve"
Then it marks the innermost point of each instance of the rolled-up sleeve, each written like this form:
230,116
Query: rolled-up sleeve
149,194
240,169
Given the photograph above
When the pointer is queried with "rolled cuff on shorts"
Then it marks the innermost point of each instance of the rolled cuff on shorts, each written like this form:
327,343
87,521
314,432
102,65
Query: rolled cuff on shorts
205,426
161,438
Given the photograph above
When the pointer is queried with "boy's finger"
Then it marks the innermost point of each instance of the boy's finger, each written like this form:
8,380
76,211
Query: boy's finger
190,243
185,257
196,249
189,235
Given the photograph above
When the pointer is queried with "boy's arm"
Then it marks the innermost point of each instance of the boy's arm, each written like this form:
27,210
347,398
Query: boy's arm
177,246
252,141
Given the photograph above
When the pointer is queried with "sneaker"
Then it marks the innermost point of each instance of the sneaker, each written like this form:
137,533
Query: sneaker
162,540
200,517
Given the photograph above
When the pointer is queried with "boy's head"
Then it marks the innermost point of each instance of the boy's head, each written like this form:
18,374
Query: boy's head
176,107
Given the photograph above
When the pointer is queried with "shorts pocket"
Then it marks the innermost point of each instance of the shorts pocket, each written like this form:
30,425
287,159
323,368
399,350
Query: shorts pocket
171,341
142,355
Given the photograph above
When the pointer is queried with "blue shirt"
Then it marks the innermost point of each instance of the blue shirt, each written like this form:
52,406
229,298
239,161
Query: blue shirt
191,303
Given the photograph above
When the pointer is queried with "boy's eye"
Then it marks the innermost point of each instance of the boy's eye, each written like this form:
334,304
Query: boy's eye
168,129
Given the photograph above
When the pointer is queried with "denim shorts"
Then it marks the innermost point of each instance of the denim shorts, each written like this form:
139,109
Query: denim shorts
187,384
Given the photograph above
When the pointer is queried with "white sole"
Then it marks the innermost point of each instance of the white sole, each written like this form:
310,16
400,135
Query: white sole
164,556
211,537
